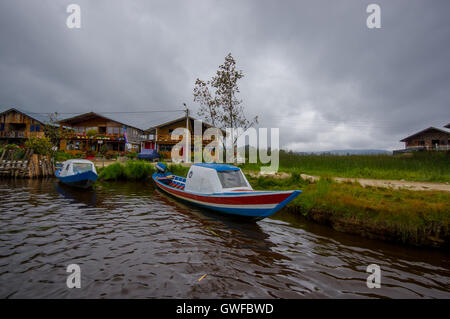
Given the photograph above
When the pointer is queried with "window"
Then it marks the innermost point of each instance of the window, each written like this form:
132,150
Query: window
422,143
2,126
165,148
32,128
230,179
38,128
82,167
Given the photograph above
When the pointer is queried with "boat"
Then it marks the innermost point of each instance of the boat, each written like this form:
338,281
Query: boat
77,172
222,188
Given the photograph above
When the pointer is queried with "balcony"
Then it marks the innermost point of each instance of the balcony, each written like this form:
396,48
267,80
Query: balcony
13,134
101,137
168,139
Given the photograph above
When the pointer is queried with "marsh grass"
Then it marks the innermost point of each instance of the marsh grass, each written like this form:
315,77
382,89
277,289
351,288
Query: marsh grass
410,214
419,166
132,170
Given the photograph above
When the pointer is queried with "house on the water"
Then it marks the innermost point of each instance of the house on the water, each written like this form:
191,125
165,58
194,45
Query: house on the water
89,132
160,139
428,139
17,125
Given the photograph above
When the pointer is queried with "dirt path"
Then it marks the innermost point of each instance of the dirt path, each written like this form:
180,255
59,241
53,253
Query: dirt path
395,184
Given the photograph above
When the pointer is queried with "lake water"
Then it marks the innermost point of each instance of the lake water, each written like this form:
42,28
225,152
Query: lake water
132,241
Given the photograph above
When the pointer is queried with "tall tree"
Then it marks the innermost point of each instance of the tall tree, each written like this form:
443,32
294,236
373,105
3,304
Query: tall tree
52,130
222,108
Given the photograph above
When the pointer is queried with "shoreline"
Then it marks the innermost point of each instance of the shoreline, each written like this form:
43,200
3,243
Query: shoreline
410,217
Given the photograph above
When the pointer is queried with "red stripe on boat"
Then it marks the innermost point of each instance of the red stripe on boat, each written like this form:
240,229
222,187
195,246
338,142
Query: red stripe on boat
238,200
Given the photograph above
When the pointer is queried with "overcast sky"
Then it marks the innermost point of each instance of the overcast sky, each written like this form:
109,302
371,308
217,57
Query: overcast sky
312,68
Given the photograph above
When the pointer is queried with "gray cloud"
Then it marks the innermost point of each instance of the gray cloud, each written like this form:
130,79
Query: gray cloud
311,68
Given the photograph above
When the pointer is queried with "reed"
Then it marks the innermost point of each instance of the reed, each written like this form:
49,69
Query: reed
419,166
132,170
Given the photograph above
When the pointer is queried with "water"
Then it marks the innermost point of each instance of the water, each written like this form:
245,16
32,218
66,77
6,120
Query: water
132,241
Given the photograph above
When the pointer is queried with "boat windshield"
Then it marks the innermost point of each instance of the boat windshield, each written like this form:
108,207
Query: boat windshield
82,167
230,179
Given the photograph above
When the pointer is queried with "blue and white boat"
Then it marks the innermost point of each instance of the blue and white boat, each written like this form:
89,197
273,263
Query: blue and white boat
77,172
222,188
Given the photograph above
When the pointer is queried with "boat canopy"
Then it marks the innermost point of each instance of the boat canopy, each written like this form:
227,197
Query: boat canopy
75,166
211,178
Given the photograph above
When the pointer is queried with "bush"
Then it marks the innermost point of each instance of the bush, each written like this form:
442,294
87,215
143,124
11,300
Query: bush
10,147
111,155
112,172
132,155
132,170
40,145
138,170
91,132
62,156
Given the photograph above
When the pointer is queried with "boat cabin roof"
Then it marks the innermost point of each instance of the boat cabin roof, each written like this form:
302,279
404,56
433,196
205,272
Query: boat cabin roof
218,167
71,161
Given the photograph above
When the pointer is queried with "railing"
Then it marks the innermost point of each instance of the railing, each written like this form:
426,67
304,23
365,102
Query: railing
168,138
13,134
429,148
102,137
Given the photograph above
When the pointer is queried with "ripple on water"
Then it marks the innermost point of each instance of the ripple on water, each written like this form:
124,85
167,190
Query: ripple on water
132,241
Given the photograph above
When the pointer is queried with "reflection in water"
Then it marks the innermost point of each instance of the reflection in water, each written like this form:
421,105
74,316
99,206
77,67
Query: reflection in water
131,240
77,195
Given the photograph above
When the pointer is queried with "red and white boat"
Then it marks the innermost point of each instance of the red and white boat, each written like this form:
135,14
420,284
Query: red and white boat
222,188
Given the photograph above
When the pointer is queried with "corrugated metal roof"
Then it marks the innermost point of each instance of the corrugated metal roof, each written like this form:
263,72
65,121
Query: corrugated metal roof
431,128
40,117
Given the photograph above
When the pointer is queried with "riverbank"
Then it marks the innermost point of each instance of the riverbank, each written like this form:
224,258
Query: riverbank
418,218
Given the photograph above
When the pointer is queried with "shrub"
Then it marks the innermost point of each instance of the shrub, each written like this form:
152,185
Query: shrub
112,172
131,155
132,170
9,147
111,155
138,170
62,156
40,145
91,132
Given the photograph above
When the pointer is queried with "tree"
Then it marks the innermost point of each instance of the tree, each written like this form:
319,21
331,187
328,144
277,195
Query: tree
223,109
52,130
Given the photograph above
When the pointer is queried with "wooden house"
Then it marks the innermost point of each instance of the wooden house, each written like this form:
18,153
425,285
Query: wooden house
89,132
431,138
17,125
160,139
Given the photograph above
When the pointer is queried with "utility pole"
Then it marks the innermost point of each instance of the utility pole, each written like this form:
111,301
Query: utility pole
187,136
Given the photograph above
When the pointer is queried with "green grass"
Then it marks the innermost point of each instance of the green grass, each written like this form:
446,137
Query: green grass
419,166
132,170
410,215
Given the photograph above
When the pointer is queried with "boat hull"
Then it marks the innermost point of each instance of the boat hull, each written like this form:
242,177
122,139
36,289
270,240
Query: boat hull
253,204
80,180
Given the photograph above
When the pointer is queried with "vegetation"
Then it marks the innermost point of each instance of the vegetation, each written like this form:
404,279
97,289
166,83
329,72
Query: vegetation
419,218
131,155
222,108
91,132
131,170
418,166
61,156
52,130
40,145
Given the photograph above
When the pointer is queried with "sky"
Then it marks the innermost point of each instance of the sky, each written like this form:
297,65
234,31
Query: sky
311,68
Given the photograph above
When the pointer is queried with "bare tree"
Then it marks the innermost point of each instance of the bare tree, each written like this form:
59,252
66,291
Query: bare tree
222,108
